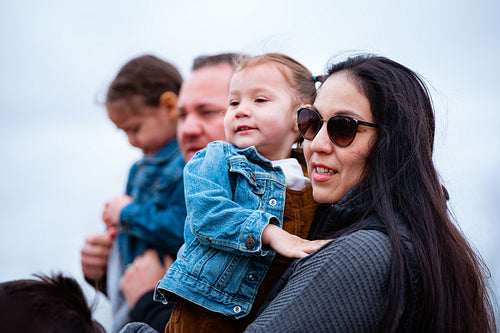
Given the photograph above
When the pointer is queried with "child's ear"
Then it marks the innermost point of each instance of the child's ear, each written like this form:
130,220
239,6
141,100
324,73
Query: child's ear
168,101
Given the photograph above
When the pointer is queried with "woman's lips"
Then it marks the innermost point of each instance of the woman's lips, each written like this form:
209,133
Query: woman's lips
322,173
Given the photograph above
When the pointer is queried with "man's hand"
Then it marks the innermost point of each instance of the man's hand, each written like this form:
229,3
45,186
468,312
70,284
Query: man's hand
143,274
94,255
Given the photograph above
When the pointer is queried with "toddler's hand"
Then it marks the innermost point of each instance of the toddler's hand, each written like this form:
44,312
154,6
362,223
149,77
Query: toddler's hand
289,245
113,208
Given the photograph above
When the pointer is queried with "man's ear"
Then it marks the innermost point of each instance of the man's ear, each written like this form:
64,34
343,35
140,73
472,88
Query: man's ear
168,101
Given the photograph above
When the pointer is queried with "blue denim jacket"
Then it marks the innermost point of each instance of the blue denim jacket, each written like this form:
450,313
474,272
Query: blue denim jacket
232,194
156,217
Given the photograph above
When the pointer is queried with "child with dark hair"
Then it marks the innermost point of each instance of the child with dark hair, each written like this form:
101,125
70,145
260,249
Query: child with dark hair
142,101
47,304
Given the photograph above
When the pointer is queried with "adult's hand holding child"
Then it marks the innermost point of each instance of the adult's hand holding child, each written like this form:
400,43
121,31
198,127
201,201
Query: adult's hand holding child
143,274
95,253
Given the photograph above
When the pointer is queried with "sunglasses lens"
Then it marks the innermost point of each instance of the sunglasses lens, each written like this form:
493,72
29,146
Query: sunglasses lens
342,130
309,123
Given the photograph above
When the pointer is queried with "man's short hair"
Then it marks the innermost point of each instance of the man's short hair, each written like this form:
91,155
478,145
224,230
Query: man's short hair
217,59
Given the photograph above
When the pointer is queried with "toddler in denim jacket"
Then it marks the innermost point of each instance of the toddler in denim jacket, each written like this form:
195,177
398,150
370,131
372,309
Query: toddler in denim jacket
235,197
141,101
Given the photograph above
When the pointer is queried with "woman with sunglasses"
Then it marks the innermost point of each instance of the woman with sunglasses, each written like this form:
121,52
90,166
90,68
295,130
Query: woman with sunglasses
396,262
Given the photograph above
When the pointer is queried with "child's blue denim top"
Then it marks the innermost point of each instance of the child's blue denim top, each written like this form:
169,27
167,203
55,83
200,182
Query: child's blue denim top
156,217
232,194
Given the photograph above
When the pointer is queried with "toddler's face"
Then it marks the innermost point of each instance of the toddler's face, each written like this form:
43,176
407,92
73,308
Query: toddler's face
261,111
148,128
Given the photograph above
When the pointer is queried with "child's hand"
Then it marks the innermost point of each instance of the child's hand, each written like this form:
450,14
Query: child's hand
289,245
113,208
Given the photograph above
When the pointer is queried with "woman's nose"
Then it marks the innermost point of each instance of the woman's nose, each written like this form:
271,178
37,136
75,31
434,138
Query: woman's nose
321,142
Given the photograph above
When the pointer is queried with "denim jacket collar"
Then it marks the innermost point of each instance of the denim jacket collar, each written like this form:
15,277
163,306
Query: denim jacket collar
253,156
166,153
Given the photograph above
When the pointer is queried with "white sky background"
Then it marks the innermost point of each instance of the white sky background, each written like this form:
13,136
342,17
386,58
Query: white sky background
61,158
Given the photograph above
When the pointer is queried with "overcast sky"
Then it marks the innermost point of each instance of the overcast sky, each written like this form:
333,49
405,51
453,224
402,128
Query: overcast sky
61,158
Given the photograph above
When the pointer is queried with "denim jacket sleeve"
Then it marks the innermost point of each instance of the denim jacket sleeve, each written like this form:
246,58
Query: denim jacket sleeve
213,217
160,225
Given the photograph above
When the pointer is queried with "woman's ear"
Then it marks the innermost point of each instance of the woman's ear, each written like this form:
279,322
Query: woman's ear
295,126
168,102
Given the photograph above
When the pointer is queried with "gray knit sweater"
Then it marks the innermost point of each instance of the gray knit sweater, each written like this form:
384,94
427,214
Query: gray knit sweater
340,288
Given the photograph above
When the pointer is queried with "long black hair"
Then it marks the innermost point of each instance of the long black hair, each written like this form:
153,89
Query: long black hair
401,177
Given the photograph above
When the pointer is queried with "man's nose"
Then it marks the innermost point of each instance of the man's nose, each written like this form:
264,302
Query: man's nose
191,125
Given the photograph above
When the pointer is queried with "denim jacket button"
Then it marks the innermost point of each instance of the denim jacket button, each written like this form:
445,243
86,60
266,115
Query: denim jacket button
237,309
251,277
250,243
273,202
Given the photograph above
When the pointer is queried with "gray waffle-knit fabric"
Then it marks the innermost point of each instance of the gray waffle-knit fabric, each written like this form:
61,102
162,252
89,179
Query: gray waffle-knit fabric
340,288
137,328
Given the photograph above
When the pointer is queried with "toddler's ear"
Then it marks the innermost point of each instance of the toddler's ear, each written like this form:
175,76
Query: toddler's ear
168,101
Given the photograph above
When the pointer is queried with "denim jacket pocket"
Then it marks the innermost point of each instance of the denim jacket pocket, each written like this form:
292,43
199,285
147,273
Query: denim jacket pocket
219,269
252,177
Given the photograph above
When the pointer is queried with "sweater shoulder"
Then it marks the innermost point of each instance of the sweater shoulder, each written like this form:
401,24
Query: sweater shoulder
362,245
343,285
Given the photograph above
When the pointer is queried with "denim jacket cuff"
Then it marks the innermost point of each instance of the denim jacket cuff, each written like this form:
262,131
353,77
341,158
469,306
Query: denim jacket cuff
251,235
126,215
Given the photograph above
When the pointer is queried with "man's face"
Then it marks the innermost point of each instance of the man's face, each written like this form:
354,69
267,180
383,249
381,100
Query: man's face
202,104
